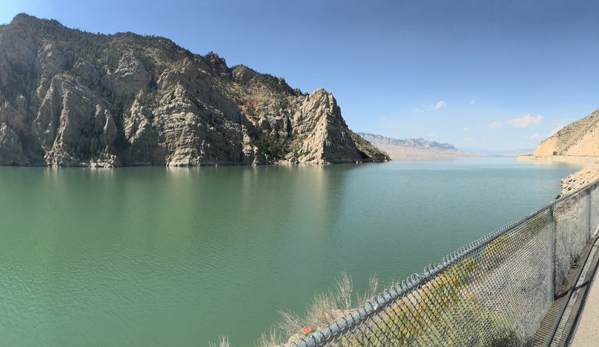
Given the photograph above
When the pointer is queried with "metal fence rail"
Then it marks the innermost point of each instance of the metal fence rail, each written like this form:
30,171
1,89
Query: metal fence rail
492,292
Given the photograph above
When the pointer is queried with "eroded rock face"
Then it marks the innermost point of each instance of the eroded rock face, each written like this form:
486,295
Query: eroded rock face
50,60
70,98
73,125
580,138
19,47
130,75
321,135
11,150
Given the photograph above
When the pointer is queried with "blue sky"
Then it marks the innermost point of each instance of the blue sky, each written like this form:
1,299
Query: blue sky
497,75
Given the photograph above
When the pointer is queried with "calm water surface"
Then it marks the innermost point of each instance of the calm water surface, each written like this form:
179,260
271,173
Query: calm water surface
177,257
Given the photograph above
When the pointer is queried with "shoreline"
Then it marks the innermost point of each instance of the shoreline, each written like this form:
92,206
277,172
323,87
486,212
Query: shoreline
587,174
564,159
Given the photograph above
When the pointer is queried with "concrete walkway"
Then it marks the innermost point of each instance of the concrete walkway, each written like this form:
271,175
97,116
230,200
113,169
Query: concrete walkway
586,331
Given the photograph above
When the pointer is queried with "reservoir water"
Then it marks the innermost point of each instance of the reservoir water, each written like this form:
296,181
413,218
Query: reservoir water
176,257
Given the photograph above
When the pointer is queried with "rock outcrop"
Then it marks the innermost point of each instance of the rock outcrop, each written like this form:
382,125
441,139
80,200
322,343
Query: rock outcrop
580,179
580,138
72,98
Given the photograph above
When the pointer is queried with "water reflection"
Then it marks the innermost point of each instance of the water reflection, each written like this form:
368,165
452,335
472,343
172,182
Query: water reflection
428,159
179,256
573,161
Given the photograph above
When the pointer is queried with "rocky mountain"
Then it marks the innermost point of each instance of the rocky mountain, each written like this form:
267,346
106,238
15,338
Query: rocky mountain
397,148
73,98
580,138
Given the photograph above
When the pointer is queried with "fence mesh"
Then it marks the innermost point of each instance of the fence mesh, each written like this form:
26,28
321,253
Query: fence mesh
573,232
594,204
493,292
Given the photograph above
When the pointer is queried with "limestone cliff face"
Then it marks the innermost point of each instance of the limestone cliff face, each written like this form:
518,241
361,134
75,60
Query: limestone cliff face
71,98
580,138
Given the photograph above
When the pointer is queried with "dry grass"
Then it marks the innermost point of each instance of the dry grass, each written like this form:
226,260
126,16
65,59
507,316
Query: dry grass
223,341
373,290
272,339
345,288
325,309
290,323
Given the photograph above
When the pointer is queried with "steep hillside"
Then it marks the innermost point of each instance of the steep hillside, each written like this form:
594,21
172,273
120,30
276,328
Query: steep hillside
580,138
412,147
72,98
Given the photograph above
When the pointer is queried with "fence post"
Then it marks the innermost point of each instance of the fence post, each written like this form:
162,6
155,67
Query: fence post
589,213
550,254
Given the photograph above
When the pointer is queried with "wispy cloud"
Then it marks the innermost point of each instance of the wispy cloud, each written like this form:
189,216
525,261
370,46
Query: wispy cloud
525,121
433,135
534,136
555,130
469,140
495,125
435,107
466,129
472,102
441,104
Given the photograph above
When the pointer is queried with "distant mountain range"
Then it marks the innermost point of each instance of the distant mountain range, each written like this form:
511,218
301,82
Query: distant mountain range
408,148
508,153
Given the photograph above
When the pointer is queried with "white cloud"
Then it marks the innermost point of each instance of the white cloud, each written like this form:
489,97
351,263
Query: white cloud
433,135
441,104
495,125
466,129
525,121
469,140
436,107
555,130
472,102
533,136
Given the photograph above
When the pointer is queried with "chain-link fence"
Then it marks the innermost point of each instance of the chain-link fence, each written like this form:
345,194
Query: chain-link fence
492,292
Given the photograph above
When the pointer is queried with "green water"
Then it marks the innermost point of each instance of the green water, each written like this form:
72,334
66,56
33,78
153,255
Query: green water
177,257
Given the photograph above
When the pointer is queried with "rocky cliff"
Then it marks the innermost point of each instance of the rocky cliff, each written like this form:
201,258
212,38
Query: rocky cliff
72,98
408,148
579,179
580,138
